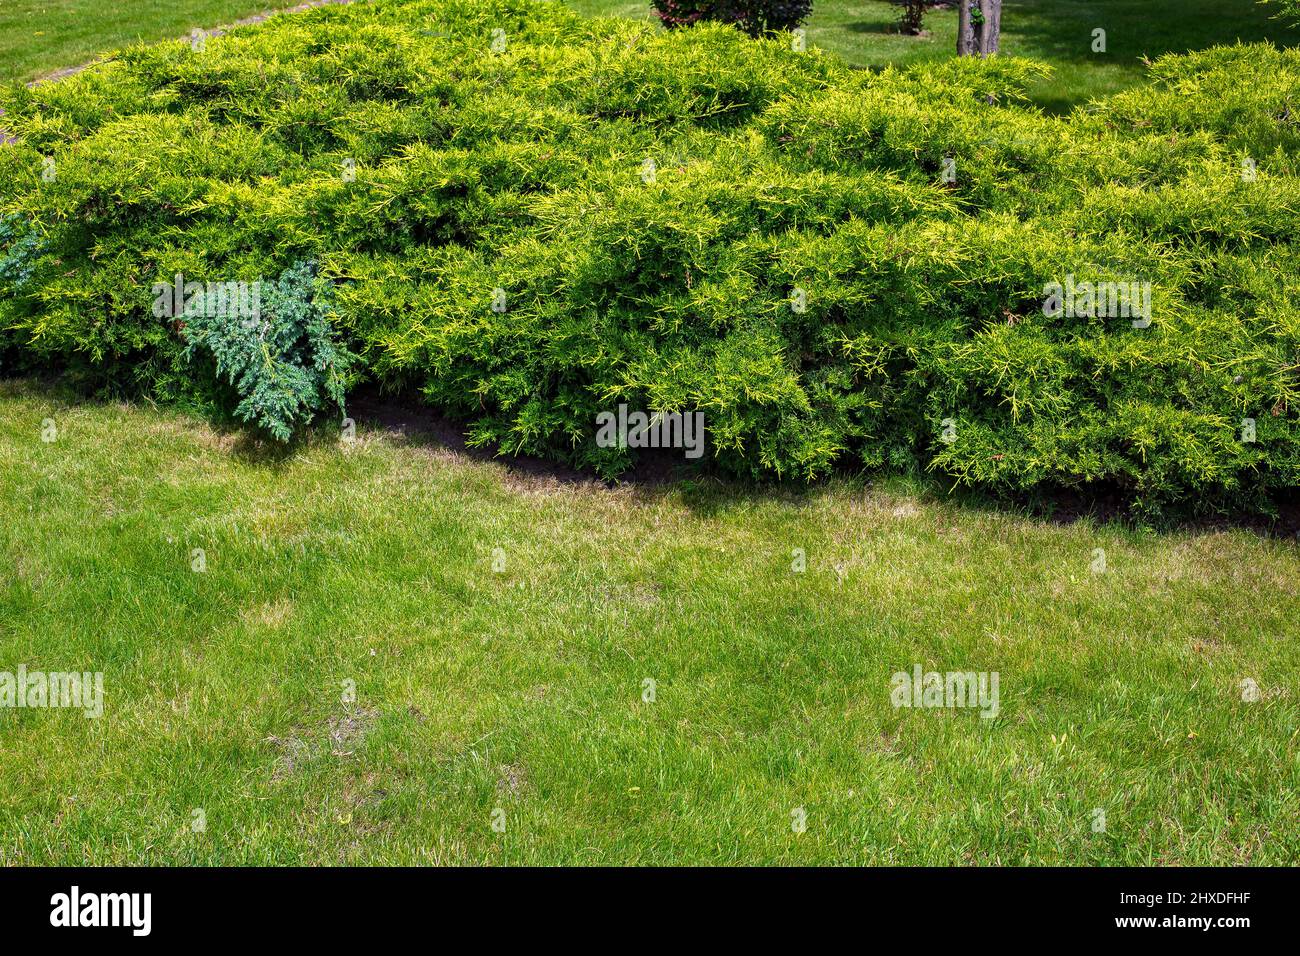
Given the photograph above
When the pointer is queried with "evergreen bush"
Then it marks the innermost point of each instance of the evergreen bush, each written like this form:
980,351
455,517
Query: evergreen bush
528,218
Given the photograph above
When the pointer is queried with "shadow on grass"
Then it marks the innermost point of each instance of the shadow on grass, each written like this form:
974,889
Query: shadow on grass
699,486
707,491
880,27
1063,33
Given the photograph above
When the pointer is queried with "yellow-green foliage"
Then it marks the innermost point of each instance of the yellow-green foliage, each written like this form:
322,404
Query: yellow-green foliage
830,264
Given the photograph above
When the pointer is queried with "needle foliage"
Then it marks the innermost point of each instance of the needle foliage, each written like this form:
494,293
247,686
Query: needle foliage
527,217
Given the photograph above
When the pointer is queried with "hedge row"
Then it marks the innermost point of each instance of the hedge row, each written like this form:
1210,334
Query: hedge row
530,217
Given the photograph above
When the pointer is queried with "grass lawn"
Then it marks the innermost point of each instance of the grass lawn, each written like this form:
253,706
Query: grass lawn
523,690
37,36
388,651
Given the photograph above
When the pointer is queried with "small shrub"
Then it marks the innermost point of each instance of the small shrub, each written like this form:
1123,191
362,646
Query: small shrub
282,359
755,17
20,246
912,17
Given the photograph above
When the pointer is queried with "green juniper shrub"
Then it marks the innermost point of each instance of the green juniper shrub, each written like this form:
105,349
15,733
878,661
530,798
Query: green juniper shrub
22,246
280,354
528,218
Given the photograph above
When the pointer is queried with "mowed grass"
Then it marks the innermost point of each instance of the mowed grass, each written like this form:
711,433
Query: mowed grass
524,691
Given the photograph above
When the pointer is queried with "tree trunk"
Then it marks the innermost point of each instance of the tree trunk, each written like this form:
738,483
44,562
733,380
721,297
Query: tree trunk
992,26
983,38
965,29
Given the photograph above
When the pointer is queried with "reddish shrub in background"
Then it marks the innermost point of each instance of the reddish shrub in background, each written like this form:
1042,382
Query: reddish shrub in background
755,17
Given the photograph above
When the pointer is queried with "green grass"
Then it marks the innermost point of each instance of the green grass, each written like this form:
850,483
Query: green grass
523,690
